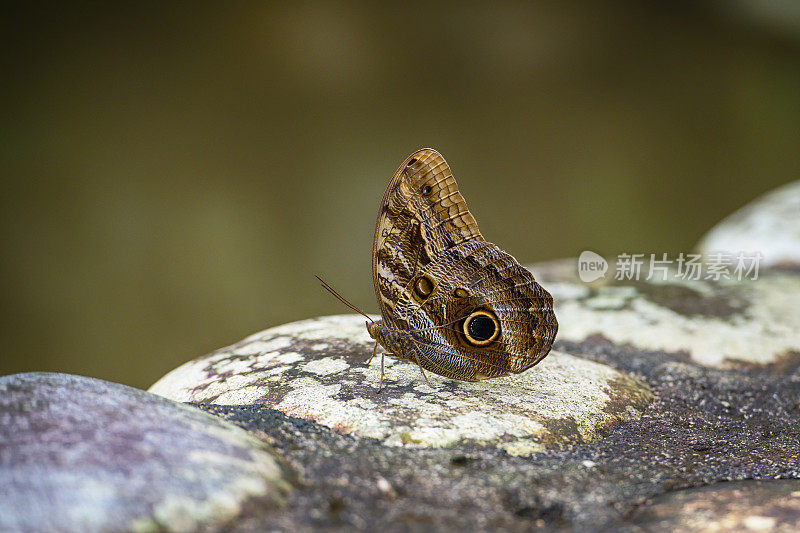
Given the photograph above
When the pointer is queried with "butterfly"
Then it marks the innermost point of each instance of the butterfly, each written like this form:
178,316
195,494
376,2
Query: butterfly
450,301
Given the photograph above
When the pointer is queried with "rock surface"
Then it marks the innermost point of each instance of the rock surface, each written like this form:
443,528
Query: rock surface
82,454
769,225
735,506
314,370
705,425
715,323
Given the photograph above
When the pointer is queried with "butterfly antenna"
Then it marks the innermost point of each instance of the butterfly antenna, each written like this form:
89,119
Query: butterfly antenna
342,299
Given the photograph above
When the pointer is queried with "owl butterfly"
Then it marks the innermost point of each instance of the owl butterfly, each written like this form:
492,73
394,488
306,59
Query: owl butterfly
450,301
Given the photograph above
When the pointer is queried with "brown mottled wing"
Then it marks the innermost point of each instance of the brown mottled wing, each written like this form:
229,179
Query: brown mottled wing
425,230
416,225
491,280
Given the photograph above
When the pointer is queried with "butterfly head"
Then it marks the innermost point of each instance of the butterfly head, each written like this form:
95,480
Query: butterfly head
396,342
374,328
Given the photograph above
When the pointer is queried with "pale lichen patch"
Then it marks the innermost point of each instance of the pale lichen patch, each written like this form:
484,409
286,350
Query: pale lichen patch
612,298
287,358
173,385
233,366
243,396
326,366
259,346
231,383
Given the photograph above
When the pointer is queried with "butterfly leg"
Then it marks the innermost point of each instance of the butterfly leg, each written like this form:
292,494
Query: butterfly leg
374,349
420,368
380,385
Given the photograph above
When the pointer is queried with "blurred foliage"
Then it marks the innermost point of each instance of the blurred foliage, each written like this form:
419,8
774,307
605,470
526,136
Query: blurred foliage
174,174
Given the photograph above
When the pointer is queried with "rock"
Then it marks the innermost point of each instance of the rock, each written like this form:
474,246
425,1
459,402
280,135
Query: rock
714,323
314,370
82,454
769,225
704,426
736,506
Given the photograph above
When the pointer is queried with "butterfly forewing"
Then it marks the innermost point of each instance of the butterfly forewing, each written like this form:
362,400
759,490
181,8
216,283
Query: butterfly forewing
422,215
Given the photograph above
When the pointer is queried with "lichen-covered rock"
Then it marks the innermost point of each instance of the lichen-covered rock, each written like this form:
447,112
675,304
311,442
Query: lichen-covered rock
750,505
315,370
704,426
715,323
82,454
769,225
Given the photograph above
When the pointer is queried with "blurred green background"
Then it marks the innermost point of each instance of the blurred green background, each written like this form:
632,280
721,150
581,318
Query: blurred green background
174,174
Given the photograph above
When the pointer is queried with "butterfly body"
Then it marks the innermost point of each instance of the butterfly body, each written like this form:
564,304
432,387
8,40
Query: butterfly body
450,301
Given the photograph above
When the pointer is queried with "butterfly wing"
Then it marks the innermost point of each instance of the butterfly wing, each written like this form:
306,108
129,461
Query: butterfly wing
471,310
422,215
480,280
